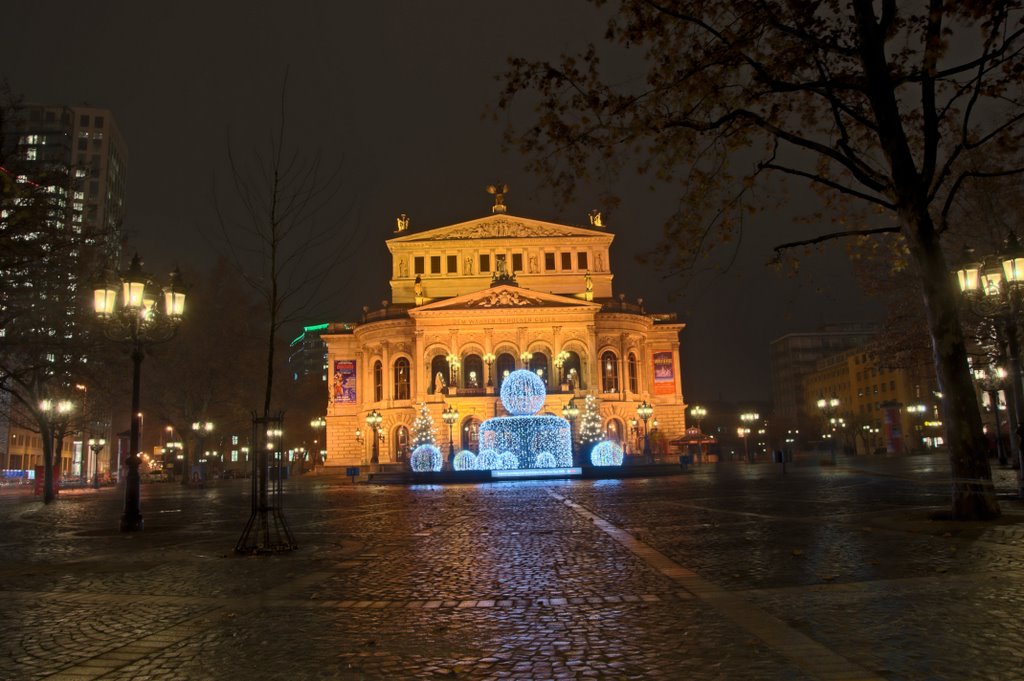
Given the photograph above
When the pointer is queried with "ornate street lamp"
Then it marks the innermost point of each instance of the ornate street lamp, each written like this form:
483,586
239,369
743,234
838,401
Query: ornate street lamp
373,419
319,424
450,416
96,445
992,289
698,413
644,411
453,367
569,412
525,356
489,361
137,322
828,409
560,360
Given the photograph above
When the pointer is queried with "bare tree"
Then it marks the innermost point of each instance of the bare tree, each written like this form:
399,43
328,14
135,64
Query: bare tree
895,106
283,229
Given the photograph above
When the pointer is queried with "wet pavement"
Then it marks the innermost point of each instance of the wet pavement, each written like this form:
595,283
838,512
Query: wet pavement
731,571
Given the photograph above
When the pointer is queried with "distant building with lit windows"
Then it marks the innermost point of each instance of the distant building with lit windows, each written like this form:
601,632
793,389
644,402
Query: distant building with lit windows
78,155
472,302
882,408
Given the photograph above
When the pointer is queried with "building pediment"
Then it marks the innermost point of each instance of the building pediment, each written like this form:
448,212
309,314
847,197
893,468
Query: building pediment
502,227
505,297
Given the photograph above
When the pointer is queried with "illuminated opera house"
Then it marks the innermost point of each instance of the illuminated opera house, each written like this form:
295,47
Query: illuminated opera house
473,302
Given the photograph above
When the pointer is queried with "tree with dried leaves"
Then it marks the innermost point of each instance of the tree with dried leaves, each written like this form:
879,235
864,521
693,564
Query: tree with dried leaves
894,106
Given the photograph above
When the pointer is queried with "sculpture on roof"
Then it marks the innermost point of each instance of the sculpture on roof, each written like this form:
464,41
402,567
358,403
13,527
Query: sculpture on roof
499,190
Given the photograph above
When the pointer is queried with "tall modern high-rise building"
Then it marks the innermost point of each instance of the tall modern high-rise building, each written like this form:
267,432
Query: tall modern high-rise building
85,142
75,162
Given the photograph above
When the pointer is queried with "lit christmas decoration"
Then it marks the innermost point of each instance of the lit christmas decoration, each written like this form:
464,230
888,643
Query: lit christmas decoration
606,453
546,460
522,393
523,435
487,460
590,421
465,461
508,461
423,428
425,458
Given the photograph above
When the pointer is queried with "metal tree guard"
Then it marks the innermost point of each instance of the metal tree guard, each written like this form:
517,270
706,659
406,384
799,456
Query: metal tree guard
267,530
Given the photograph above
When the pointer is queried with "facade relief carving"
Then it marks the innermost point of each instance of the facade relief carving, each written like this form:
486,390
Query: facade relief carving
505,298
502,229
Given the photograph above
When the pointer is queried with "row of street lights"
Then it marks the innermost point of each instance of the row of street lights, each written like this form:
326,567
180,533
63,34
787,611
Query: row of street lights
992,288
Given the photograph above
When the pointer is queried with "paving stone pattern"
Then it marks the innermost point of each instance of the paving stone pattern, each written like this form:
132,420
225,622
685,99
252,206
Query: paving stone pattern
727,572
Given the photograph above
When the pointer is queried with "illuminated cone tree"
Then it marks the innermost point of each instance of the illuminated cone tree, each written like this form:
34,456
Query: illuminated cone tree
423,428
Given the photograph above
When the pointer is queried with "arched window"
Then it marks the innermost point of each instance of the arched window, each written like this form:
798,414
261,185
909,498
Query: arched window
378,381
401,440
471,434
614,431
539,366
632,372
573,372
439,366
609,372
401,391
473,372
505,365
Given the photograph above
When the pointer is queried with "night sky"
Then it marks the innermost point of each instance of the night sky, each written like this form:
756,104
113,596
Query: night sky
397,93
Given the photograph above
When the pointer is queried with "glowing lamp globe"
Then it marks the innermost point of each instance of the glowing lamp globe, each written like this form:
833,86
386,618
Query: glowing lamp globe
522,393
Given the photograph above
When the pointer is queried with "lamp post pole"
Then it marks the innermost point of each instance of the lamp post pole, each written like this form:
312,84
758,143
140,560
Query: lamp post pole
450,415
644,411
319,424
138,322
96,445
993,290
698,413
489,361
373,419
828,409
992,381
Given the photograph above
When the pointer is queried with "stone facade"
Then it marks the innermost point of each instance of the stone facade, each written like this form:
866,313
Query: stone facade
474,300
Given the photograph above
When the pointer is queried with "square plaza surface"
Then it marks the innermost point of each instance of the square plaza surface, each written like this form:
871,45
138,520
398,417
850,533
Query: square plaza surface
731,571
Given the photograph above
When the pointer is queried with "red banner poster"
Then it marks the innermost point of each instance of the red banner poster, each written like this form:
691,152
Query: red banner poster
664,373
344,381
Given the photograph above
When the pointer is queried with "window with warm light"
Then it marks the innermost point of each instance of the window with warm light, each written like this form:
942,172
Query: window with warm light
378,381
401,378
609,372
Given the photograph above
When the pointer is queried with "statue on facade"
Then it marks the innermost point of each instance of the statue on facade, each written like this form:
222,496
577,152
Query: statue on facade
468,269
533,264
403,268
595,218
402,223
590,282
439,386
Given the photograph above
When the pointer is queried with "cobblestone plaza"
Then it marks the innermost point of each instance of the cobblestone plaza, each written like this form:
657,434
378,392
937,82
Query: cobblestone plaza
730,571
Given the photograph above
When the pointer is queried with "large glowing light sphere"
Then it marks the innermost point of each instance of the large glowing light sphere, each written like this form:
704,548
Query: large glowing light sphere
465,461
606,453
425,458
522,393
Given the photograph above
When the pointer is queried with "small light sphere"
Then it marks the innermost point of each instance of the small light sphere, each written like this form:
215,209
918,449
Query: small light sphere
465,461
425,458
522,393
606,453
545,460
508,461
487,460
